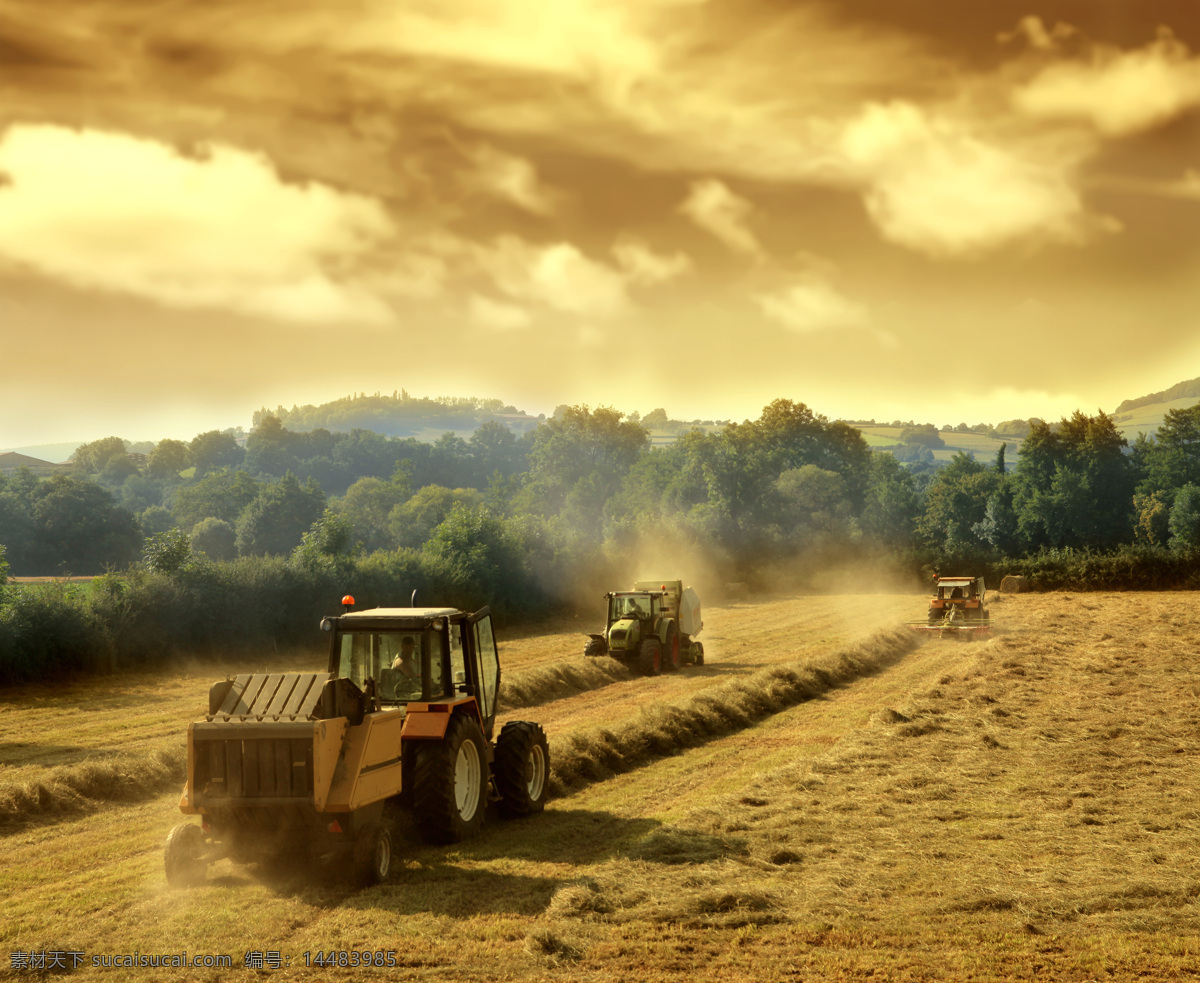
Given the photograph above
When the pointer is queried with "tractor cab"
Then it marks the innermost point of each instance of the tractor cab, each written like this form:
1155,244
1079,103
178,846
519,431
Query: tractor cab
958,598
397,656
641,606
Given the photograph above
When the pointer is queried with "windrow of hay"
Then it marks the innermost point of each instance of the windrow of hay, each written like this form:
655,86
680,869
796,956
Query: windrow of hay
663,730
553,682
81,788
73,789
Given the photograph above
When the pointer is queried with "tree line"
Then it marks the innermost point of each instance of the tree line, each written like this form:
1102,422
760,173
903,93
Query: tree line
274,529
788,484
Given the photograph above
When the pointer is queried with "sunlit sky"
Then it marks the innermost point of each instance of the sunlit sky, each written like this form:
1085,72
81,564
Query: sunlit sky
931,211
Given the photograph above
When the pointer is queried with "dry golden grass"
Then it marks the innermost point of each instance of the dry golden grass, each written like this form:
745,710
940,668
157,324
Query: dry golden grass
1024,808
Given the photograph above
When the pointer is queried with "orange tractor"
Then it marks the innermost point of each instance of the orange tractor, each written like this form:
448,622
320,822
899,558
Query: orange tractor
304,764
957,609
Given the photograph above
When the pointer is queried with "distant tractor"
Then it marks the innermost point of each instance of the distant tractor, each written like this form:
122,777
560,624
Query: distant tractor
653,627
302,764
958,607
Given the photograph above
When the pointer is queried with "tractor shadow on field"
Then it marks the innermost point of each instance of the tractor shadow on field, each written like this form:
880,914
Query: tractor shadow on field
484,876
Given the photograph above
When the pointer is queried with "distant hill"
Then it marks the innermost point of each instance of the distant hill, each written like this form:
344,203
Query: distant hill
1145,414
12,461
400,414
1181,390
54,453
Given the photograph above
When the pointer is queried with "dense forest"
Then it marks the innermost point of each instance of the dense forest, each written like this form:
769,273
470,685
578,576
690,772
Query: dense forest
576,505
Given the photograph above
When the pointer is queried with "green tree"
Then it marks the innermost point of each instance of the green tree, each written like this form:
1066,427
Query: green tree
494,448
138,493
792,436
999,527
222,494
1172,460
77,527
17,495
167,551
924,435
812,509
412,522
1185,518
367,505
329,544
956,503
269,448
215,449
168,458
891,504
656,419
1074,484
277,519
1152,514
578,462
92,457
215,538
475,543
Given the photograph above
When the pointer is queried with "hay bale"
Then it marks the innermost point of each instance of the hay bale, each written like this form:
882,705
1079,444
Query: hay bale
1014,585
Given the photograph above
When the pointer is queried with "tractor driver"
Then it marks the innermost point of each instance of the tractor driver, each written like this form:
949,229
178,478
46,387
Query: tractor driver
405,663
633,609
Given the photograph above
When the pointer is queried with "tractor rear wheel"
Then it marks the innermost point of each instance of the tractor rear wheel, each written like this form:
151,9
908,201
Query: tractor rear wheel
521,767
650,657
672,652
373,854
449,783
183,856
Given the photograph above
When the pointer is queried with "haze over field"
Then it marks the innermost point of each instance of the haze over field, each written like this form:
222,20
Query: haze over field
874,208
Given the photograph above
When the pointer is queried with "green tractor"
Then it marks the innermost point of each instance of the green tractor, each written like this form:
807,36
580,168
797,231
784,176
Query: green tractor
652,627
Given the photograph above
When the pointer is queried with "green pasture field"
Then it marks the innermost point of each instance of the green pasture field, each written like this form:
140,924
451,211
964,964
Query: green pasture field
984,448
1147,419
1020,808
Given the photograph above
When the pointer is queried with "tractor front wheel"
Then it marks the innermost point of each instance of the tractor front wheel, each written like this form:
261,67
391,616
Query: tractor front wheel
697,653
449,783
521,767
183,855
650,657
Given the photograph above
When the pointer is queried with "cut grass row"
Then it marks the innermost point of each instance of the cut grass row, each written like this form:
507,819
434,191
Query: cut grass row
660,730
657,731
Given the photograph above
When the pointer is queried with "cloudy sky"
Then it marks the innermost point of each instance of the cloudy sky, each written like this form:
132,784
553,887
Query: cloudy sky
944,212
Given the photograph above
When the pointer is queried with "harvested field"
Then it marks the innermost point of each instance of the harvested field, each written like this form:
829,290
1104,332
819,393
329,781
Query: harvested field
869,806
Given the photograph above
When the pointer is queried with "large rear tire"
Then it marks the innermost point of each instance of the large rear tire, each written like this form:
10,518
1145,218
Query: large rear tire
183,855
449,783
672,656
650,657
521,768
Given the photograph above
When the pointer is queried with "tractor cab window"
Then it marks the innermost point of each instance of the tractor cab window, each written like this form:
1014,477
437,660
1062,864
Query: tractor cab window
489,666
631,607
458,662
406,665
